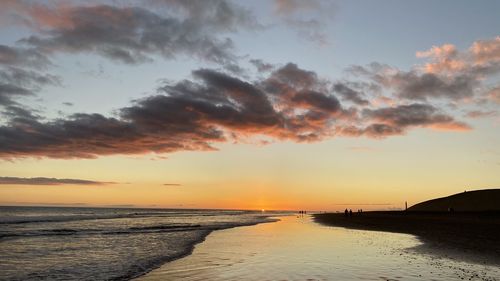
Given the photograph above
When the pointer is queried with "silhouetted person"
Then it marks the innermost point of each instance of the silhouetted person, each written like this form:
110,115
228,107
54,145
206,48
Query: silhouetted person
350,212
346,213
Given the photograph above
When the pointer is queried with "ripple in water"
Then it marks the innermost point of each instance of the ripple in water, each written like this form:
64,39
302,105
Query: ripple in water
102,244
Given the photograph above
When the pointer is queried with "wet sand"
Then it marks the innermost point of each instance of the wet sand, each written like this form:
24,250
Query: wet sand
297,248
469,236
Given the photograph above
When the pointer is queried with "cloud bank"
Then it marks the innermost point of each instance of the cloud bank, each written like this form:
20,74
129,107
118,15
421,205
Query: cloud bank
285,102
289,104
47,181
132,34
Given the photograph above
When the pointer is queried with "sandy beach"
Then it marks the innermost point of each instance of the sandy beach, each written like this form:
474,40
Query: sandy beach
469,236
298,248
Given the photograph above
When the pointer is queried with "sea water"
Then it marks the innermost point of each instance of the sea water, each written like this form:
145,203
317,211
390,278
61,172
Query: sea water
55,243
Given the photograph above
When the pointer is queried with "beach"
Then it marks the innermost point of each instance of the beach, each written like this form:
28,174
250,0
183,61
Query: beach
298,248
174,244
471,236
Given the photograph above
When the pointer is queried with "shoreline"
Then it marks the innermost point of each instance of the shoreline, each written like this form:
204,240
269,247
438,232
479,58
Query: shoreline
189,251
468,236
298,248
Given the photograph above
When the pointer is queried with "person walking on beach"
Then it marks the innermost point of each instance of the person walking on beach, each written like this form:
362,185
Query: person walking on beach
350,212
346,213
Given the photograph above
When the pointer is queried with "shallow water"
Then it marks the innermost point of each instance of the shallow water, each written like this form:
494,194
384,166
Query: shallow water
296,248
39,243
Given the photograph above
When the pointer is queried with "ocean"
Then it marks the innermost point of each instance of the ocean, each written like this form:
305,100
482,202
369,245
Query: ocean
65,243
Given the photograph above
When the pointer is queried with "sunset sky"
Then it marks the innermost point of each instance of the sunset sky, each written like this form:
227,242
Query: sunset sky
248,104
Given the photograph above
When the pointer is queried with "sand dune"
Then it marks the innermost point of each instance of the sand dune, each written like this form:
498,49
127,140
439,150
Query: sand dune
470,201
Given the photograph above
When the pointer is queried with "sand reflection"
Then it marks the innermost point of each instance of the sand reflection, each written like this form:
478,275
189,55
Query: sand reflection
298,249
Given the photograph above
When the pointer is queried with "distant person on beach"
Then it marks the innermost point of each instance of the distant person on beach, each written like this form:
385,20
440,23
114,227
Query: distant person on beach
350,212
346,213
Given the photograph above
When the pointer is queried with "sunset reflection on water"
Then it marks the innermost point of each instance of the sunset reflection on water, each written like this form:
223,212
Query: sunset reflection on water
296,248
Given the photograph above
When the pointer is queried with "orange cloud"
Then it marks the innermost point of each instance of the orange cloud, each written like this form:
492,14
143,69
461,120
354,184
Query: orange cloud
447,60
494,95
444,59
486,51
452,127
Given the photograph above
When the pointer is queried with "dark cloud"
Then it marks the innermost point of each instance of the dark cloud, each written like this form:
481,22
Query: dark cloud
217,14
382,130
90,135
284,102
189,115
397,120
135,34
17,82
213,107
20,73
291,76
18,114
48,181
411,115
448,74
307,18
261,65
375,130
27,78
317,100
415,85
9,92
480,114
350,94
172,184
15,56
289,7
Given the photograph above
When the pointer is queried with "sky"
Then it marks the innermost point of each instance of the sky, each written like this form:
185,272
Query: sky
277,104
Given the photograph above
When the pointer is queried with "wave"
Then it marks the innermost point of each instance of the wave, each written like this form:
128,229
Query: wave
138,270
132,230
92,216
163,227
173,238
25,220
